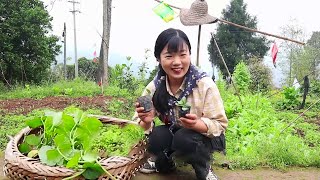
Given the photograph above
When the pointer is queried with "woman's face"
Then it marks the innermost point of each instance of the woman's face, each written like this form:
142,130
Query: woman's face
175,64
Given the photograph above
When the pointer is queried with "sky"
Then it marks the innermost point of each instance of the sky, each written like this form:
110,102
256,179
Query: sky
135,26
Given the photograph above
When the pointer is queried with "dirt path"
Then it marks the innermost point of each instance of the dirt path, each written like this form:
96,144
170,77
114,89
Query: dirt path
223,174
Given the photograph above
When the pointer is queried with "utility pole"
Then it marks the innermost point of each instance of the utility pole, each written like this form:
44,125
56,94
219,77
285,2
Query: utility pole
75,36
64,34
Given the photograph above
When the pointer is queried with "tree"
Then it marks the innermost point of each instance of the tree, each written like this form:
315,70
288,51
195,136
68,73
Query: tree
292,64
104,51
26,49
235,43
314,45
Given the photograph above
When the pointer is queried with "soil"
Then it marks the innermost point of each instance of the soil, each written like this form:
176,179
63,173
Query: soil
24,106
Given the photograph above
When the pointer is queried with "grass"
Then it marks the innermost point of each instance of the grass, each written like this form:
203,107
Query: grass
75,88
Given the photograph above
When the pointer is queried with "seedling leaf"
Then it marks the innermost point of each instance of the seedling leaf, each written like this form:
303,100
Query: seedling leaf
24,148
34,122
33,140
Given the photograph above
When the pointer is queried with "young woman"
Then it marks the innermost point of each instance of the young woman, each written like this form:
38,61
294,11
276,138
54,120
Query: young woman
196,135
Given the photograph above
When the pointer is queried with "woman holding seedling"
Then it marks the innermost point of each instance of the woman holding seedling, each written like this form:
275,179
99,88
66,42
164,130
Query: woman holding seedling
179,86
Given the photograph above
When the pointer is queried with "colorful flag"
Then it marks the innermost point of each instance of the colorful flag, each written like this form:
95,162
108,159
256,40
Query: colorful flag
164,11
95,53
274,52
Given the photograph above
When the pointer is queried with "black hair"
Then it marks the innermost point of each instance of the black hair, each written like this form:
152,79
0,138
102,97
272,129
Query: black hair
175,40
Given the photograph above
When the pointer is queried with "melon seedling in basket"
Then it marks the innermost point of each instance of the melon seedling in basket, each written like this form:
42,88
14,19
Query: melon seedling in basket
65,139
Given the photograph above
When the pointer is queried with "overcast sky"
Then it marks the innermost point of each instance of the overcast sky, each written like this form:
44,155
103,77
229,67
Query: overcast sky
135,26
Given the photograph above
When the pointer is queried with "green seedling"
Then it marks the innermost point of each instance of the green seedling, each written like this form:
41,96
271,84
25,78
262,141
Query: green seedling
184,107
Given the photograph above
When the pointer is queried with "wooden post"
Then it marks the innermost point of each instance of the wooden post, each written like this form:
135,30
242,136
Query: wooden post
198,48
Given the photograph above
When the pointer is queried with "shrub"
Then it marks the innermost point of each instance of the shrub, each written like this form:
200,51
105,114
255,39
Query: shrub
260,76
242,77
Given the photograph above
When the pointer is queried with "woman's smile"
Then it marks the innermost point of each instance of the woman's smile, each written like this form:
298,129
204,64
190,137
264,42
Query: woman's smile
177,70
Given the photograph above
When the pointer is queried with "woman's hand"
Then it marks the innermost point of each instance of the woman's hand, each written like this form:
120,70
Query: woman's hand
146,117
191,121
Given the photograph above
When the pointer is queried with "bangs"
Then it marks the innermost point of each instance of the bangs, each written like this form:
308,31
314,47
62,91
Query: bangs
176,44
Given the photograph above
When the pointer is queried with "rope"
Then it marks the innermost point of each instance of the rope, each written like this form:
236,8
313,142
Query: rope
225,65
243,27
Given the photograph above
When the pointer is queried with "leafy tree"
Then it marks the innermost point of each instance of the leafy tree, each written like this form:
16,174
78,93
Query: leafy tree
305,63
292,64
302,60
235,43
26,49
88,69
260,75
314,45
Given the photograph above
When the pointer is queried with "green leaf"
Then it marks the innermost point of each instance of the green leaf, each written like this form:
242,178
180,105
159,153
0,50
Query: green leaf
93,165
67,122
43,154
24,148
48,123
90,156
61,140
88,130
66,125
34,122
56,117
33,153
53,157
66,150
91,125
185,108
63,143
74,161
33,140
77,115
93,170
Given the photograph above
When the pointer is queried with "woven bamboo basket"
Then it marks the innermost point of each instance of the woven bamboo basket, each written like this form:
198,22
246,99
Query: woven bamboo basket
20,167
